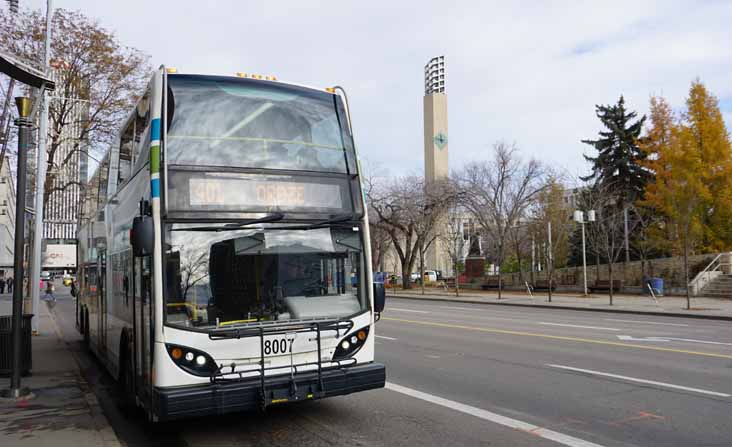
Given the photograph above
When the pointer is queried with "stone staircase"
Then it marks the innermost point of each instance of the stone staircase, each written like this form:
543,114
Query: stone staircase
719,287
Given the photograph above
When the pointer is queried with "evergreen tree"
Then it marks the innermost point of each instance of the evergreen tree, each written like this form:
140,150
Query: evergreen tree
618,164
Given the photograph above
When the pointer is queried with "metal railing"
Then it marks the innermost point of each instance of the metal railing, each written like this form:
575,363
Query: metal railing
711,271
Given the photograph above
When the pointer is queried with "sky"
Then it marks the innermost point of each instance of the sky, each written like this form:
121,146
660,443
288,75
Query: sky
525,72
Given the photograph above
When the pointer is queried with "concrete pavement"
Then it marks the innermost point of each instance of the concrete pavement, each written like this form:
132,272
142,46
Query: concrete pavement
463,374
711,308
602,378
63,411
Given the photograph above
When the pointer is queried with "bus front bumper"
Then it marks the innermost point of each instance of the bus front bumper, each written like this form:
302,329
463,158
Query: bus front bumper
246,395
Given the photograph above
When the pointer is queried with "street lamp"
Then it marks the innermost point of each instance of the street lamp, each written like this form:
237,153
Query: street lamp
579,217
24,124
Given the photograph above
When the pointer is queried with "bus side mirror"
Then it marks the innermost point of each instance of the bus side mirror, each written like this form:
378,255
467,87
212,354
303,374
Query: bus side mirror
379,297
142,236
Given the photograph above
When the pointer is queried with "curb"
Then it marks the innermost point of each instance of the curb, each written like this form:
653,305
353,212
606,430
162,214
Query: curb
108,438
586,309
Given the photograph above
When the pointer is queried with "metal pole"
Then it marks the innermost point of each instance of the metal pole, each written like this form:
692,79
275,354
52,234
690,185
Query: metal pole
24,125
550,263
35,273
627,245
533,258
584,257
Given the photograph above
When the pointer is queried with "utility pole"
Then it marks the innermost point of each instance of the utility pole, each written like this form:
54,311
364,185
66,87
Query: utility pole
579,217
35,272
584,258
24,125
550,260
533,258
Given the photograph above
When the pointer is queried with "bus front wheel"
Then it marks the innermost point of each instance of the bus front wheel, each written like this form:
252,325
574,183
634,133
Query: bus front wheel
125,380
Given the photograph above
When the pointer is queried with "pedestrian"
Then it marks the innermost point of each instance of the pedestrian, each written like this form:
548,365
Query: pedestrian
2,285
49,296
10,284
73,288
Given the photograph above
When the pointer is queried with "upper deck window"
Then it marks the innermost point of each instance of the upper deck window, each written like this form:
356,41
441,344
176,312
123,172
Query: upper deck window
217,121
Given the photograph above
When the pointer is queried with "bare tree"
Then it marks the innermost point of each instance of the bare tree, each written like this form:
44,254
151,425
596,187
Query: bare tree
521,244
380,243
409,211
452,237
499,193
607,232
97,83
550,213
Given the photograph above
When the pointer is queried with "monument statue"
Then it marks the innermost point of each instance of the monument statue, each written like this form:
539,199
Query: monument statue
474,249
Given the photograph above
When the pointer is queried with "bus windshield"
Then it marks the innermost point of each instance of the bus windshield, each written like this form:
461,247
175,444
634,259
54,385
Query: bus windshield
219,121
223,277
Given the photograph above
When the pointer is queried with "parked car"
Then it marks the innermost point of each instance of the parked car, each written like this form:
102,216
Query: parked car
45,275
430,276
68,279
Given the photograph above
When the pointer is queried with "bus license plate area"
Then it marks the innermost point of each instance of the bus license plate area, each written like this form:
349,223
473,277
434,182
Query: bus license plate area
287,344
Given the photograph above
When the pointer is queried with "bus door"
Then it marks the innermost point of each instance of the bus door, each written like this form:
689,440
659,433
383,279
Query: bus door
102,297
142,284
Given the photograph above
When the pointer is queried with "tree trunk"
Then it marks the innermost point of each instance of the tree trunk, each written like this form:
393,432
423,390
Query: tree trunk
500,282
421,268
406,277
457,280
518,259
500,270
686,269
551,277
610,274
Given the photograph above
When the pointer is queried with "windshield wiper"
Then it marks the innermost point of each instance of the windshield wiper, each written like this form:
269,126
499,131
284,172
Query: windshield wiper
324,223
274,217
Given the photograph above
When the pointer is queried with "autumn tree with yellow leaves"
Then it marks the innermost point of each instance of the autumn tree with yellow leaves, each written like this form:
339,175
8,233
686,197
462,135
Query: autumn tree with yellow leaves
691,157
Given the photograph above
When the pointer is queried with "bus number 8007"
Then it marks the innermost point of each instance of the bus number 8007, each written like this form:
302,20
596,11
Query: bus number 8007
278,346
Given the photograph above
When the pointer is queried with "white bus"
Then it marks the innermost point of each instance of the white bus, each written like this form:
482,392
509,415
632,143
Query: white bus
224,259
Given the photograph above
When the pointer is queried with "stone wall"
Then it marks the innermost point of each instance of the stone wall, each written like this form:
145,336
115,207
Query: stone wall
670,269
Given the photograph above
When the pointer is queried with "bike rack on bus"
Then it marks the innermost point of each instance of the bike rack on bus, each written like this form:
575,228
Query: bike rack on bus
262,330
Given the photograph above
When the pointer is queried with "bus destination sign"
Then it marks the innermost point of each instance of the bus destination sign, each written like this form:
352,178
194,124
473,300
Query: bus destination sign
262,193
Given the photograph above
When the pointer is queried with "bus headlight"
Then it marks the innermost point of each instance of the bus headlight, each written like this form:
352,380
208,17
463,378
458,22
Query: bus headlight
351,343
192,361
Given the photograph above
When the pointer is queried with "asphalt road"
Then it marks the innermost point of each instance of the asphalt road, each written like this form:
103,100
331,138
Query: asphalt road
487,375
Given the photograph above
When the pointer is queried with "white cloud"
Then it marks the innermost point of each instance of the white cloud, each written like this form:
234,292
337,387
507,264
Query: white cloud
523,71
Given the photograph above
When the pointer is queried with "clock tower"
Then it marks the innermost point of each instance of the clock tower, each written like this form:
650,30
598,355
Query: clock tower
435,120
435,147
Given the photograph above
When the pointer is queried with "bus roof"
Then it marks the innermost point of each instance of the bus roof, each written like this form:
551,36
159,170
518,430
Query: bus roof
256,77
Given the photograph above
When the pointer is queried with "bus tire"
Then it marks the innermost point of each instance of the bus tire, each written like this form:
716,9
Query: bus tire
126,377
87,340
81,320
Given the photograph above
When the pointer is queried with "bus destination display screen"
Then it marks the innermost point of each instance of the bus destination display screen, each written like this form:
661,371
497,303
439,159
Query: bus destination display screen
262,193
196,191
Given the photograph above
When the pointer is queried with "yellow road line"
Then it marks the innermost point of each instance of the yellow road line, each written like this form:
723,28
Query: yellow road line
558,337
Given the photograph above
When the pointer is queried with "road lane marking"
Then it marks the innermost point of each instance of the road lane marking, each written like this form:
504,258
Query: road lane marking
580,327
631,338
457,308
559,337
634,379
386,338
398,309
689,340
647,322
493,417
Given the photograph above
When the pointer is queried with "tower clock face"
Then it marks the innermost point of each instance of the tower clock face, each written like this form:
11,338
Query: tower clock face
440,140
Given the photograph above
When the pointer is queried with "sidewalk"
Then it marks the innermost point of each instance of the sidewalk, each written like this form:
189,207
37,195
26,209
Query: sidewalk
710,308
64,412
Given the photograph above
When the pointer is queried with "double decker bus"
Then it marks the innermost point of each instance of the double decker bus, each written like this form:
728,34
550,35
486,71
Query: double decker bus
224,256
